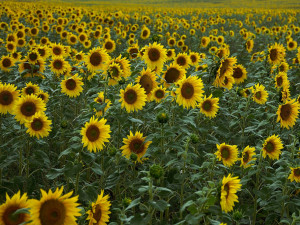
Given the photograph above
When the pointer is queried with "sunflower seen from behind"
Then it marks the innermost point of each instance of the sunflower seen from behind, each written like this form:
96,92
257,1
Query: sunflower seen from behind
247,156
54,208
209,106
72,86
287,113
260,95
272,147
295,174
99,212
135,143
8,96
230,186
227,153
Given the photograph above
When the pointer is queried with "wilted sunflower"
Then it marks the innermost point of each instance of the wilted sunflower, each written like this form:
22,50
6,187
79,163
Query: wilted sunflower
183,60
135,144
10,206
209,106
227,153
30,89
247,156
239,74
100,100
173,74
147,80
99,213
58,65
287,113
230,185
155,55
294,175
272,147
133,98
109,45
54,208
158,94
97,59
281,80
95,133
276,53
6,62
39,125
260,95
8,96
72,86
225,70
27,106
189,92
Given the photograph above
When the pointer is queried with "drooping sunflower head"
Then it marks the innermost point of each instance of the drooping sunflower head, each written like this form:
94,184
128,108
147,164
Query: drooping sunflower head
247,156
158,94
97,59
173,74
295,174
155,55
260,95
272,147
124,66
8,96
227,153
225,70
239,74
204,42
287,113
30,88
209,106
147,80
72,86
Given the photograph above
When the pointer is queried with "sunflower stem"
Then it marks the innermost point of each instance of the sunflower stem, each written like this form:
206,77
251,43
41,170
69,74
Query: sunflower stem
150,199
104,94
20,161
162,138
27,161
102,169
78,174
256,189
0,148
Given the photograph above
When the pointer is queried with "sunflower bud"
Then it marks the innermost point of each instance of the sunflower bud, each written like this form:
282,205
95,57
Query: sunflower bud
237,215
156,38
64,124
194,138
133,157
126,202
156,171
162,117
112,151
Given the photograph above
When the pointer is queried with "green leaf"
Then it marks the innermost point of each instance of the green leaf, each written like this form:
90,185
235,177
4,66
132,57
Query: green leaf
134,120
160,205
134,203
20,211
54,173
187,204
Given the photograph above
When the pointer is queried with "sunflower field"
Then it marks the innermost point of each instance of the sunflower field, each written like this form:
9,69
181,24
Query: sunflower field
144,113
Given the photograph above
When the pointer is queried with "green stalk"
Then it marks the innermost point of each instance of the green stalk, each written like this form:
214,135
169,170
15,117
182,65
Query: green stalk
151,211
78,174
0,148
20,161
104,94
256,189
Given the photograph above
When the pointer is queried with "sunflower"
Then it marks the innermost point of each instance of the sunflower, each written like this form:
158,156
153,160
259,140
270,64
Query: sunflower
223,52
96,59
8,96
6,62
170,54
133,98
72,39
145,33
173,74
294,175
59,66
189,92
287,113
247,156
249,45
155,55
283,67
11,205
260,95
230,185
281,80
54,208
57,50
158,94
27,106
239,74
225,70
11,46
204,42
194,58
276,53
72,86
182,60
209,106
43,95
95,133
291,45
124,65
115,72
285,93
109,45
30,89
43,51
133,51
147,80
272,147
38,126
99,214
33,57
171,42
135,144
227,153
100,99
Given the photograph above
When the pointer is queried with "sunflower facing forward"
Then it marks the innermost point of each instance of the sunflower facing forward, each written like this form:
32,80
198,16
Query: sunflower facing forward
147,80
8,96
276,53
230,186
260,95
72,86
133,98
54,208
39,125
158,94
155,55
99,213
294,175
247,156
135,144
173,74
287,113
209,106
227,153
239,74
96,59
272,147
95,133
189,92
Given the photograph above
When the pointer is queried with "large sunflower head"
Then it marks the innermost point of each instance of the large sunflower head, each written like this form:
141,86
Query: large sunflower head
287,113
97,59
27,106
72,86
133,98
260,95
30,89
135,144
276,53
227,153
39,126
173,74
209,106
272,147
147,80
230,185
95,133
239,74
294,175
247,156
57,50
10,206
99,212
155,55
54,208
8,96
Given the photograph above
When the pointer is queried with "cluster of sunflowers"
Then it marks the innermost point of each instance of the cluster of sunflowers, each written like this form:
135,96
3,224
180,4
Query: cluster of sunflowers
114,63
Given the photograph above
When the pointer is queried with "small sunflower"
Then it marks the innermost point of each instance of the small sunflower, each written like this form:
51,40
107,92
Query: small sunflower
54,208
39,125
247,156
135,144
145,33
281,80
115,72
283,67
209,106
204,42
58,50
109,45
97,59
99,214
72,86
227,153
33,57
11,205
291,45
6,63
276,53
100,100
260,95
133,51
272,147
43,95
124,66
158,94
30,89
173,74
133,98
287,113
170,54
225,70
194,58
58,65
27,106
249,45
294,175
147,80
189,92
183,60
239,74
8,96
230,185
155,55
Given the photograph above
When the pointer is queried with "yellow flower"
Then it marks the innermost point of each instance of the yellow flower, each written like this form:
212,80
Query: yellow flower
72,86
173,74
6,62
109,45
8,96
158,94
281,80
39,125
225,70
58,65
239,74
30,89
100,100
183,60
147,80
276,53
209,106
96,59
272,147
260,95
247,156
287,113
155,55
294,175
227,153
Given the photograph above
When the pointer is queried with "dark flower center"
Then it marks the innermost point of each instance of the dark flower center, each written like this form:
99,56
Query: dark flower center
207,105
246,157
93,133
130,96
52,212
187,90
225,153
237,72
285,112
6,98
95,59
146,83
37,124
154,54
273,54
9,218
70,84
181,61
159,94
28,109
6,63
270,147
172,75
136,146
